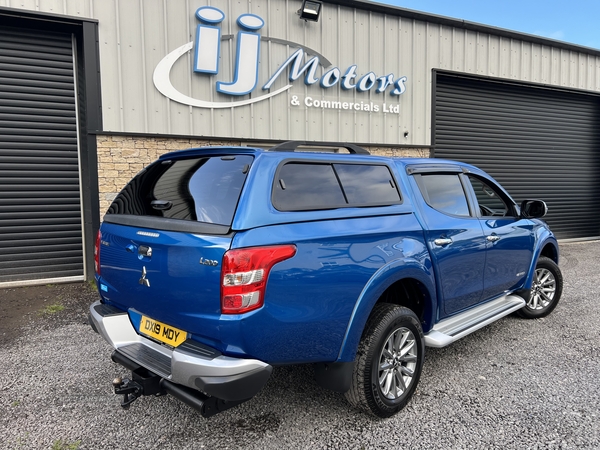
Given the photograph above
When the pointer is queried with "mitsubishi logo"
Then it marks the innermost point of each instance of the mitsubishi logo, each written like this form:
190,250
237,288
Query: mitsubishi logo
143,280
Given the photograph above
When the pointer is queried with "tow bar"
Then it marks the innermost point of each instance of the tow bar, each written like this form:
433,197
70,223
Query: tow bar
131,390
143,382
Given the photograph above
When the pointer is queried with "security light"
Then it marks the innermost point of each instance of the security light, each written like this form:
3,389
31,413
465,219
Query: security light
310,10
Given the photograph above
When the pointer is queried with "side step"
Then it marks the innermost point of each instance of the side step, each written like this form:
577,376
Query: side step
453,328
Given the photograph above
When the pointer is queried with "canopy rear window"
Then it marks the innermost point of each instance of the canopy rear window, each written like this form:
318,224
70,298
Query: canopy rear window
203,189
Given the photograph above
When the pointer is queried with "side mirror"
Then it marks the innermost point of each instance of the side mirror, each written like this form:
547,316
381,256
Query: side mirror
533,209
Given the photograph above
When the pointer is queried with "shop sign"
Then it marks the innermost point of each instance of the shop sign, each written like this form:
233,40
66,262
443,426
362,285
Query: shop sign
207,48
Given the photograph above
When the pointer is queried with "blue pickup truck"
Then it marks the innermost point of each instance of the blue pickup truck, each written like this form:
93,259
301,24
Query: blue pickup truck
216,264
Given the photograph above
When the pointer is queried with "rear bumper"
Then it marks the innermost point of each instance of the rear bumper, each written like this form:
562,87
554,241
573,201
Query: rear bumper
191,364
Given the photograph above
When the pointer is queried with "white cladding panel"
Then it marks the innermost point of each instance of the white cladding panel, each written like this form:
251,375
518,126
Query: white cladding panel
135,35
81,8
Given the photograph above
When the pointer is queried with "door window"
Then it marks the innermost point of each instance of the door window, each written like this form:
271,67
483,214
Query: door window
490,201
445,193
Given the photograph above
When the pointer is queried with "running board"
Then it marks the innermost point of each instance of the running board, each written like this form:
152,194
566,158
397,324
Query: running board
453,328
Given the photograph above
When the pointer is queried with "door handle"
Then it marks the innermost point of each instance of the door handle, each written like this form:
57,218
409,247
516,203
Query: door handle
442,241
493,238
144,250
161,205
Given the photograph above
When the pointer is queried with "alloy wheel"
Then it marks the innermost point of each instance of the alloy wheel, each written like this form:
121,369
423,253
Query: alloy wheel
397,363
542,290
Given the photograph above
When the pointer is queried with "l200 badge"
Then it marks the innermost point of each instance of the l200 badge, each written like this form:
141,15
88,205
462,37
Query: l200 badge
209,262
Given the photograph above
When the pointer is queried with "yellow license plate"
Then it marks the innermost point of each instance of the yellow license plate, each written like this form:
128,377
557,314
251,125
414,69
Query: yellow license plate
162,332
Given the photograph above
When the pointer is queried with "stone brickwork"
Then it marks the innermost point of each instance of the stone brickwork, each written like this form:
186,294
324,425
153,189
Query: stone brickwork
121,157
400,152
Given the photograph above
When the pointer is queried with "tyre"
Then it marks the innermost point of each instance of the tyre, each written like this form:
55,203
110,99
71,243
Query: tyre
545,291
388,361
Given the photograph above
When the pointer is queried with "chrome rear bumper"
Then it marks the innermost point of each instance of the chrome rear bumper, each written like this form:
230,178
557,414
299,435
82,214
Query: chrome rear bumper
192,364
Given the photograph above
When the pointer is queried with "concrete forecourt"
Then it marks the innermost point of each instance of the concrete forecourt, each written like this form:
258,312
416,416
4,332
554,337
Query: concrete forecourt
514,384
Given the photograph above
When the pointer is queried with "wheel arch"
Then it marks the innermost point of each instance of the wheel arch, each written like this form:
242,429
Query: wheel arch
546,245
412,294
550,250
403,283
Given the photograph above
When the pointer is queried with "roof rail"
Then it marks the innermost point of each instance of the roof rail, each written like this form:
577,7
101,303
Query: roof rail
292,146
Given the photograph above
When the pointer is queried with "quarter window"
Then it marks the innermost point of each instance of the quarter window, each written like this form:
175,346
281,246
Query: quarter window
307,186
367,184
313,186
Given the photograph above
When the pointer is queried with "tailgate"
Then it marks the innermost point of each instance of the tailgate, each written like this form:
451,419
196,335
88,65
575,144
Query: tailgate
163,239
170,276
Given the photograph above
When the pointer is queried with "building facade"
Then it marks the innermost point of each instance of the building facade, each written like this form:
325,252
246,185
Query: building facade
94,90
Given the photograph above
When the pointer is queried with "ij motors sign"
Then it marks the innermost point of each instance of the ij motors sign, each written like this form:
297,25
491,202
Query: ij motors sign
315,70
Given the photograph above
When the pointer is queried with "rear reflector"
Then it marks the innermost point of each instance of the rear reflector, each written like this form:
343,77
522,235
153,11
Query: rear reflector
97,253
244,276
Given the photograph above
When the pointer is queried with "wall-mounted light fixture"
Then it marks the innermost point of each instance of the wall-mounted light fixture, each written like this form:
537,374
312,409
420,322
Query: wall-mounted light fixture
310,10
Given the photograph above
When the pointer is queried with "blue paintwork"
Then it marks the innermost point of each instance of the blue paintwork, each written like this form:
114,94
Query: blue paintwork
311,297
412,261
318,302
507,260
458,267
182,292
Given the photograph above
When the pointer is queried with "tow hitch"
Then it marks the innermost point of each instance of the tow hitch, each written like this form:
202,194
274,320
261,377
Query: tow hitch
144,382
129,389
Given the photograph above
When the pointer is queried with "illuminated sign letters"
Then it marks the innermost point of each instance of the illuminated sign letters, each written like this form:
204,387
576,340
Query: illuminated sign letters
207,48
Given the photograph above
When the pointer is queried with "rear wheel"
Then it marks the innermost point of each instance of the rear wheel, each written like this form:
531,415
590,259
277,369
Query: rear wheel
389,361
545,291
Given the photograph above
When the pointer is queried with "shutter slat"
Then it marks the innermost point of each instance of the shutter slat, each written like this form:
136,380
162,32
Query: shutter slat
537,143
40,200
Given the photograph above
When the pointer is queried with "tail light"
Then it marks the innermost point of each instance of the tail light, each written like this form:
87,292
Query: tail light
244,276
97,253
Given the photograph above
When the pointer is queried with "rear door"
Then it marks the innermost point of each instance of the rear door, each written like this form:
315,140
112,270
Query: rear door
164,237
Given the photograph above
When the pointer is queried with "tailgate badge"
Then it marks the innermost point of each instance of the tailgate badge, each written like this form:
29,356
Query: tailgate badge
209,262
143,280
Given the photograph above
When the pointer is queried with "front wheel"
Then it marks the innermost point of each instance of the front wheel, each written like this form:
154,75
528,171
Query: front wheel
545,291
389,361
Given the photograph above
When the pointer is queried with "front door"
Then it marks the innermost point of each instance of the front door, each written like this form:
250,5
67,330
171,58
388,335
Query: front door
509,239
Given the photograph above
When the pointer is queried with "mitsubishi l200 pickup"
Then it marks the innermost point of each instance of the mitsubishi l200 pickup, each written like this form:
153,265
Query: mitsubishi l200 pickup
215,265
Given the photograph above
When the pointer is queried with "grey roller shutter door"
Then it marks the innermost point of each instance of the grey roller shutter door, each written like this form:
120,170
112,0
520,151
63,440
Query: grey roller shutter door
538,143
40,201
